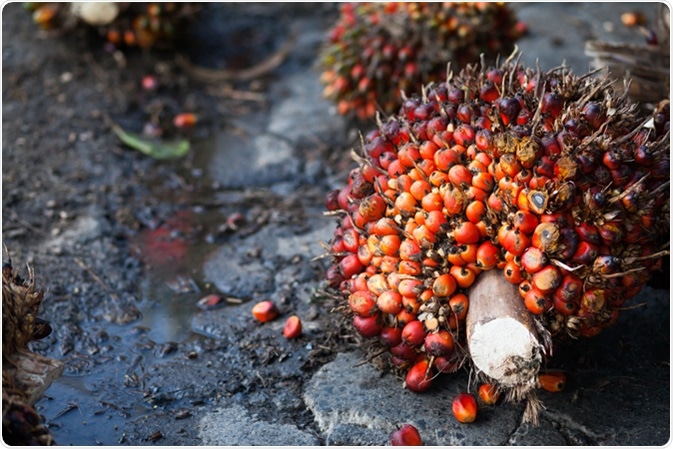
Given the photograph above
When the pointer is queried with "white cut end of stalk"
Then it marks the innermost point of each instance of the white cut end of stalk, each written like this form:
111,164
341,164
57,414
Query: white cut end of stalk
501,333
509,356
95,13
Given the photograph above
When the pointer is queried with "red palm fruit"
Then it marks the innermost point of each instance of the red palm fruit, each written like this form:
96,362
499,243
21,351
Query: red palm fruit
593,300
466,232
369,326
537,302
570,289
410,267
410,250
419,377
513,240
563,307
419,189
464,407
388,264
512,272
407,435
389,245
413,333
446,365
264,311
185,120
547,279
389,301
487,255
434,221
454,200
372,207
552,104
364,255
424,236
411,304
292,328
459,304
495,202
391,336
350,266
489,394
586,253
460,176
463,275
525,221
350,240
439,344
552,381
444,285
406,204
569,242
509,165
404,351
524,287
377,284
363,302
546,237
533,260
611,232
432,202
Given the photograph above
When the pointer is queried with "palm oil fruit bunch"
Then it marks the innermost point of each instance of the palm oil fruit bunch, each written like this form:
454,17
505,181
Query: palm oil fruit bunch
145,25
132,24
377,50
546,176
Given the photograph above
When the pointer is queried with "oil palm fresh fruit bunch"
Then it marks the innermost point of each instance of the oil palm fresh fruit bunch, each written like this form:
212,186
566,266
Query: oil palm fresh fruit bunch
121,23
377,50
544,185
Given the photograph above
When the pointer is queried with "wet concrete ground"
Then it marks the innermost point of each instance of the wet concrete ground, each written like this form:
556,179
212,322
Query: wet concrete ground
151,368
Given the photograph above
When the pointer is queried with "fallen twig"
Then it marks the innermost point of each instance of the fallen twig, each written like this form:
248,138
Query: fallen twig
208,75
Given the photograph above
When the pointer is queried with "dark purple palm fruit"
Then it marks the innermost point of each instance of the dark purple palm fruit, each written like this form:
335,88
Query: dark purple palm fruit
547,180
377,50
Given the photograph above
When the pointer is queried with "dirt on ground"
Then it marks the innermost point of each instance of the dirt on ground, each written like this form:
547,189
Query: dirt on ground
127,246
94,217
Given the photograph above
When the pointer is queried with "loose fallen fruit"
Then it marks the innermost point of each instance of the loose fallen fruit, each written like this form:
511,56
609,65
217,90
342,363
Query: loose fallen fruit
552,381
464,407
292,328
407,435
264,311
489,393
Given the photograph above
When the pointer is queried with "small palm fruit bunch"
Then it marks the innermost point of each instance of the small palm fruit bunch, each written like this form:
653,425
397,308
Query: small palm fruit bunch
131,24
146,25
546,183
377,50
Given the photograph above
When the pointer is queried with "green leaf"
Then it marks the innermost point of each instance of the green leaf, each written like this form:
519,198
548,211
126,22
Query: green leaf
153,148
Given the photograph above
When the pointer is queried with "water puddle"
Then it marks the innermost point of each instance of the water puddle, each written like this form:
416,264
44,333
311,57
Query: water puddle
91,403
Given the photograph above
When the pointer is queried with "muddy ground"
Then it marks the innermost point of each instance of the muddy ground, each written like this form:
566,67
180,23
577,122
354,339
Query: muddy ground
126,245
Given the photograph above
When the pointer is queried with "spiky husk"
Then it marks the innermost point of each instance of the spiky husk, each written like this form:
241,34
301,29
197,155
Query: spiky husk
21,300
548,176
378,50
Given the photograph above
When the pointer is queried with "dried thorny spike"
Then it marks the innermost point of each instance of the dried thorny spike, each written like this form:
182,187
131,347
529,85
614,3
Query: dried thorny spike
378,53
550,178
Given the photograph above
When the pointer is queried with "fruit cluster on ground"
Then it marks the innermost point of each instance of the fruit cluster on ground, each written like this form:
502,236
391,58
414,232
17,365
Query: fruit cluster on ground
551,178
139,24
378,50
